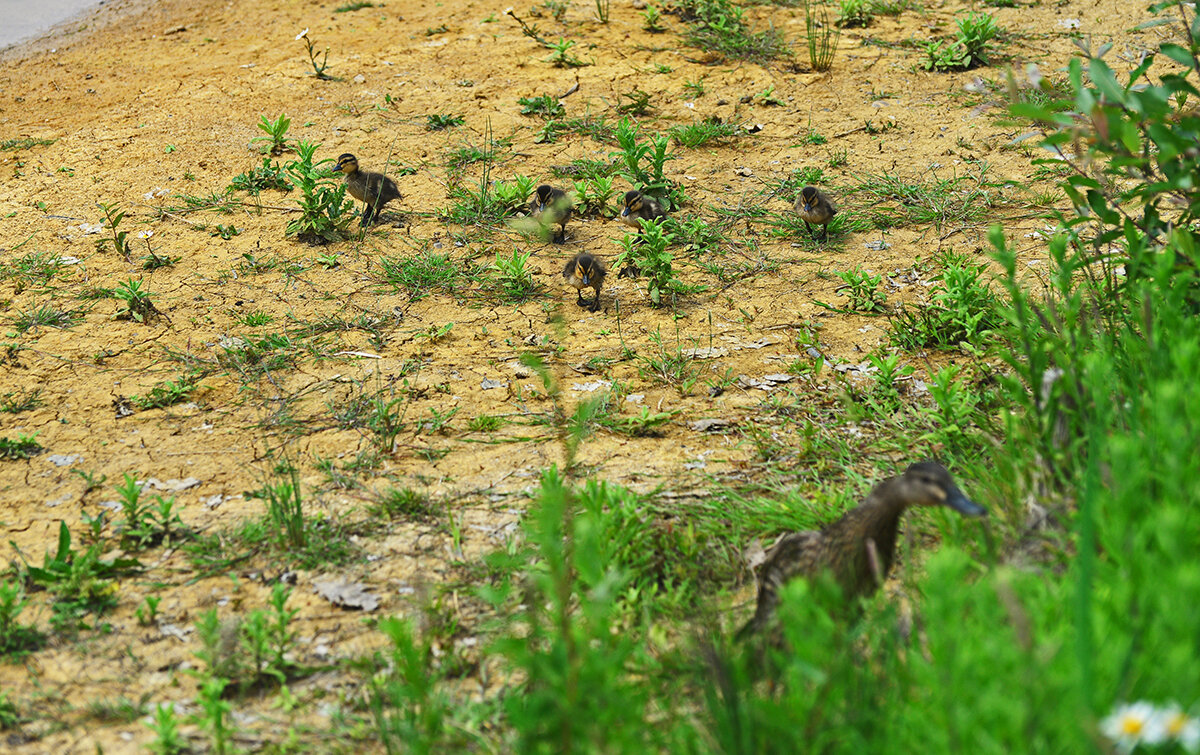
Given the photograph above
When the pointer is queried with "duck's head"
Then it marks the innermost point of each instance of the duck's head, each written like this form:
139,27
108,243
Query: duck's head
633,203
808,197
927,483
347,163
543,195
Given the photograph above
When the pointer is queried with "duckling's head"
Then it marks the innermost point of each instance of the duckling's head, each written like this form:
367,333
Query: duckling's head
633,203
544,194
347,163
928,483
808,196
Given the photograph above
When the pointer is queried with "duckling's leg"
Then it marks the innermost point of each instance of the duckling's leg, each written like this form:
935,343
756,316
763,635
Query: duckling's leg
595,300
825,232
579,297
368,215
808,228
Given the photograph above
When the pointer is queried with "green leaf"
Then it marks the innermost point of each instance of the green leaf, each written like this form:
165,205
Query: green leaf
1177,53
1102,77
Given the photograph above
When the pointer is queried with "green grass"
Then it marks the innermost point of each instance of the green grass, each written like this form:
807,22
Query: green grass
721,27
701,133
420,275
18,144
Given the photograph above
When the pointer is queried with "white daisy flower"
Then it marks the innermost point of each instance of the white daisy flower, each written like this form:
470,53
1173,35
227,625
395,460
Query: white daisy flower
1133,724
1180,727
145,234
302,35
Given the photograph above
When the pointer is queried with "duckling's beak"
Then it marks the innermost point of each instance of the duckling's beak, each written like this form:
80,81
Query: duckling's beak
625,212
808,206
586,278
963,505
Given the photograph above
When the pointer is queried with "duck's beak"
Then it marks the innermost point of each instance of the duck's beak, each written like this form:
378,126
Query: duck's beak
625,212
963,505
586,279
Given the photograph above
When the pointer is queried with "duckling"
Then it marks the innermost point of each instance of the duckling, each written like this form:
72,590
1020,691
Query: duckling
815,207
375,189
858,548
552,207
639,207
585,271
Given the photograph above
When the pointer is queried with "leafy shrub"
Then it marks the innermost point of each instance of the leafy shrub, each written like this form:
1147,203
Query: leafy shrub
325,211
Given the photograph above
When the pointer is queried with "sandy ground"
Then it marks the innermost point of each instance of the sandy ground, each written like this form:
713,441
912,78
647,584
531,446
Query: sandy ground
166,96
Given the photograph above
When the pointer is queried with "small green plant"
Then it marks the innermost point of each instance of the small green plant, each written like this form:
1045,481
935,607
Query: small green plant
276,134
969,47
318,68
862,289
652,19
694,88
602,10
704,132
45,316
545,105
485,423
168,392
593,196
23,447
145,525
80,580
650,178
147,613
421,274
325,211
647,252
885,396
440,122
963,310
133,302
561,55
16,639
854,13
635,103
645,424
720,27
285,509
167,740
214,713
767,97
395,503
513,276
10,717
409,708
113,215
20,401
269,175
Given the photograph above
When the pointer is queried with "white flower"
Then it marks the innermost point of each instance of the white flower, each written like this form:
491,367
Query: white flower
1133,724
508,11
1180,727
157,191
302,35
145,234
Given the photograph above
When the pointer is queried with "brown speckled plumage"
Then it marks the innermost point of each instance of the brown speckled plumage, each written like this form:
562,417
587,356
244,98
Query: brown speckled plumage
814,208
553,208
375,189
859,548
585,271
